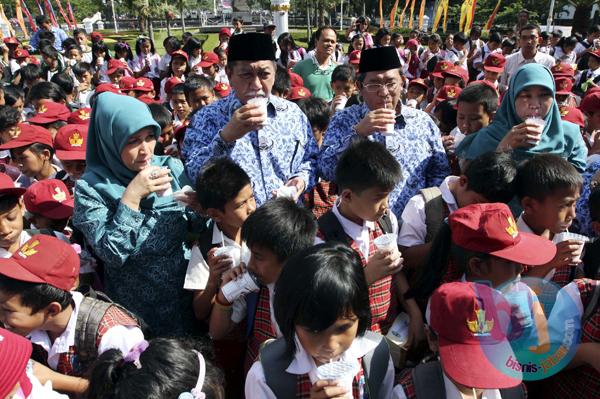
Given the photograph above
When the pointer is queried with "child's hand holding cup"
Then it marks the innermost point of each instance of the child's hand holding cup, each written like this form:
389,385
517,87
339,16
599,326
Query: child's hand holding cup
580,239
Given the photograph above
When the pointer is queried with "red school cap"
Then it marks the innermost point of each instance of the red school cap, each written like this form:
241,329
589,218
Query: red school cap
225,31
27,135
179,53
50,112
49,198
491,229
494,62
418,82
440,67
457,71
96,37
573,115
299,93
170,83
21,53
354,57
127,83
7,186
114,65
448,93
563,69
70,143
15,352
143,84
595,53
296,80
564,85
11,40
43,259
471,321
590,103
107,87
222,89
80,117
208,58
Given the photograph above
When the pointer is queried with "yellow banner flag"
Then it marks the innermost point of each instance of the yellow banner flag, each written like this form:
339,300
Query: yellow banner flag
403,13
421,14
445,16
465,15
393,15
19,14
412,13
439,11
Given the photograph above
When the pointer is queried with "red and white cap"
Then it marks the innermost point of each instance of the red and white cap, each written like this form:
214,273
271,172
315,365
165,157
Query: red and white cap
27,135
70,143
49,198
50,112
15,352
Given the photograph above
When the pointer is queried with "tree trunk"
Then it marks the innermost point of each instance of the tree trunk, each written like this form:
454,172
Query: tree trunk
581,18
182,16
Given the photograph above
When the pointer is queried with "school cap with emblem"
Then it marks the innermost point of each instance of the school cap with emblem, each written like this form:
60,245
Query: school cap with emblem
440,67
80,117
378,59
15,352
573,115
448,93
563,69
494,62
49,198
143,84
43,259
591,102
28,134
299,93
50,112
7,186
222,89
70,143
252,46
471,324
564,85
491,229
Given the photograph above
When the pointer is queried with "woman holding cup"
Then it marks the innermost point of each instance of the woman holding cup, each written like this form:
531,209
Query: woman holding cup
125,208
528,122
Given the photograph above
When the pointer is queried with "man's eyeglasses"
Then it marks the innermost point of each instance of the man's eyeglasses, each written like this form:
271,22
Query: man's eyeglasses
376,87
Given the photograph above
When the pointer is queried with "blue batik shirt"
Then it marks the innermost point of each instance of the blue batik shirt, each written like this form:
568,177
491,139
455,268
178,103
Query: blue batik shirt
283,149
417,145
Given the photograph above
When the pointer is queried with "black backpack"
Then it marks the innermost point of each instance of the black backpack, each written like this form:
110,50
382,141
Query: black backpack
275,359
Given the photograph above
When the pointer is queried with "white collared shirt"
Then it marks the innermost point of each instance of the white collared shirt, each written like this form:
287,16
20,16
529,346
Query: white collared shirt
357,233
38,391
452,391
118,337
303,363
4,254
516,60
523,227
196,275
414,227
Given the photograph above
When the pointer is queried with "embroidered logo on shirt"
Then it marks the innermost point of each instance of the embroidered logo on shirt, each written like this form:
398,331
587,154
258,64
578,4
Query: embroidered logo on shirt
59,195
75,139
29,249
512,229
480,327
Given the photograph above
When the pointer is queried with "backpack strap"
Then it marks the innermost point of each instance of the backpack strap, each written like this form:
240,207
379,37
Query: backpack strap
435,209
386,223
204,241
332,229
429,380
275,359
89,317
592,304
375,365
517,392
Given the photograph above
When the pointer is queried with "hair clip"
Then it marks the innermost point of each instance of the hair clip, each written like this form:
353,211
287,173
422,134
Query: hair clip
134,354
196,392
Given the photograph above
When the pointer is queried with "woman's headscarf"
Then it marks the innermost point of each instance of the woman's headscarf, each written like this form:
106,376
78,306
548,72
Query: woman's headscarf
487,139
114,119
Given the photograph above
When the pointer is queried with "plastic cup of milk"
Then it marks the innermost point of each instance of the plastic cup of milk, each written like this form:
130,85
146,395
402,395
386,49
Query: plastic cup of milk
560,237
540,123
245,284
341,371
232,252
386,241
261,101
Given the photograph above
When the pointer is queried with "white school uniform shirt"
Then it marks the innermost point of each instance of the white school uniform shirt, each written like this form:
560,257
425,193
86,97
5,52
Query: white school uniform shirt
4,254
303,363
359,234
163,64
38,391
118,337
138,62
452,391
523,227
196,275
414,227
559,55
516,60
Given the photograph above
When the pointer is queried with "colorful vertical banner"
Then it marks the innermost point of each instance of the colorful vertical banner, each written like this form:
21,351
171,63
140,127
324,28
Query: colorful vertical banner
381,13
71,15
421,14
40,8
50,12
412,13
466,12
62,13
393,15
472,18
20,20
28,15
403,13
490,21
6,21
437,16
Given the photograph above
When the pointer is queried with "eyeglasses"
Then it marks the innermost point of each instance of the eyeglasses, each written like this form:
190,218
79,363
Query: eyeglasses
376,87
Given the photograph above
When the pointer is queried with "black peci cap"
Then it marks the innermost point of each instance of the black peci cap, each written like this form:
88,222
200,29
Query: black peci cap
250,47
378,59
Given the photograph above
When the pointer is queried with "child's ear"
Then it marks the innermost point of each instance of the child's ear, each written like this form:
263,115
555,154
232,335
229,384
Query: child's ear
491,115
346,195
463,181
53,309
528,204
215,214
476,268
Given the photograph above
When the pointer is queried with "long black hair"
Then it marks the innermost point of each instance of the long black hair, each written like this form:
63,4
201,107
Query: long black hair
169,367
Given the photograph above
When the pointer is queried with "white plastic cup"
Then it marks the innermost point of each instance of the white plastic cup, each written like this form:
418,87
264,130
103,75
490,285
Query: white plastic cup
165,193
287,192
398,333
540,128
390,129
262,101
100,60
560,237
232,252
235,288
386,241
341,104
341,371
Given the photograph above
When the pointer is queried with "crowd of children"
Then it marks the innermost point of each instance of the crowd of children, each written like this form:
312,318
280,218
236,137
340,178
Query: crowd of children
125,275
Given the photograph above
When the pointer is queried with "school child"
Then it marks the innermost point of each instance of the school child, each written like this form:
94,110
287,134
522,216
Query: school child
489,178
492,46
115,71
49,205
37,281
445,93
53,62
224,35
437,78
18,380
416,94
564,92
161,368
548,187
193,48
50,116
72,55
80,35
493,66
14,97
146,62
85,89
508,47
458,53
343,83
164,118
476,107
318,113
590,77
273,233
123,53
590,106
210,65
9,120
282,84
100,58
144,90
179,105
12,212
411,58
222,74
465,368
322,307
32,151
365,175
199,92
434,49
170,44
69,145
178,68
66,83
456,76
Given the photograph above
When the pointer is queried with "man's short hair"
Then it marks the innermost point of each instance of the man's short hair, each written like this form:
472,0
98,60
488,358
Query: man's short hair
481,94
